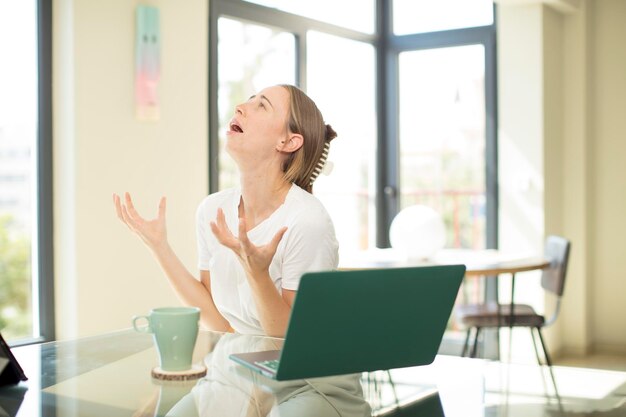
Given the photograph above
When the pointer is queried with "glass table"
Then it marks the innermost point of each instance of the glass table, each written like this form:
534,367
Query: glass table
109,375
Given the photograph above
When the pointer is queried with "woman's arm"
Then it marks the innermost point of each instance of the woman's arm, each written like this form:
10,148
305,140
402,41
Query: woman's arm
188,289
191,291
273,307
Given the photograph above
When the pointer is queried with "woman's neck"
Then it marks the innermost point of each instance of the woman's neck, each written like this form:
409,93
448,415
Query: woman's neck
261,195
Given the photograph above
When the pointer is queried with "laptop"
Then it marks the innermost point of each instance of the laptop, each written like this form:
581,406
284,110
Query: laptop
346,322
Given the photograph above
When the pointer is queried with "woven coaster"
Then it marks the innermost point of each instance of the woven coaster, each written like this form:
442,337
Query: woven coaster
196,371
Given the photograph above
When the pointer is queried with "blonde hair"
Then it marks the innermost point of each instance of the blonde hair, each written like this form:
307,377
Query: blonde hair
304,165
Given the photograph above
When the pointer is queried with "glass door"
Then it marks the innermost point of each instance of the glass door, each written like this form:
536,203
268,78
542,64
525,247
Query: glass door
442,140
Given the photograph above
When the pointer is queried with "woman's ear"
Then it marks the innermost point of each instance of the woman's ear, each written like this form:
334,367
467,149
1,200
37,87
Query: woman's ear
292,143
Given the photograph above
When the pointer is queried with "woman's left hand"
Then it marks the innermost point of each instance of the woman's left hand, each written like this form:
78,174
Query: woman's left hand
255,259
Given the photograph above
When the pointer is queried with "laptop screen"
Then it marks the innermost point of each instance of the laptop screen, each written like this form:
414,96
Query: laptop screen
364,320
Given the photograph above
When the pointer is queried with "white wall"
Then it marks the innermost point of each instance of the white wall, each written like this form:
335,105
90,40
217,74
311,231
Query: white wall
520,128
522,135
573,327
607,179
562,100
103,274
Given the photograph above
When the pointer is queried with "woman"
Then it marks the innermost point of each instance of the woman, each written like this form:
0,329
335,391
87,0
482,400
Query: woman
254,243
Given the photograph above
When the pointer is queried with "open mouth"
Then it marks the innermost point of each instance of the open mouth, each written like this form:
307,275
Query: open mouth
235,127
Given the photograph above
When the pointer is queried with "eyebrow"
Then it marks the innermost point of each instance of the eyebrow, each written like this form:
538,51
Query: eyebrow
262,98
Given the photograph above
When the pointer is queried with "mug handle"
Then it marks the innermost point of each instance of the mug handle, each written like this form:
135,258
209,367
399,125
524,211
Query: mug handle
147,329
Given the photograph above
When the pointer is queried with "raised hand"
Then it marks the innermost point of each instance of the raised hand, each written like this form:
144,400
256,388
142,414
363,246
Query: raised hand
255,259
152,232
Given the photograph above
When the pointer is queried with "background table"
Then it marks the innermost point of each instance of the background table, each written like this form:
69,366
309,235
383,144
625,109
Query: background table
478,262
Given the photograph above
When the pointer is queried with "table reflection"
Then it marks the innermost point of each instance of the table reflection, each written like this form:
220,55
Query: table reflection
232,390
109,376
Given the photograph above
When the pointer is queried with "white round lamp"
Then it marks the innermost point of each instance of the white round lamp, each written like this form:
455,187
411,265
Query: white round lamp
417,231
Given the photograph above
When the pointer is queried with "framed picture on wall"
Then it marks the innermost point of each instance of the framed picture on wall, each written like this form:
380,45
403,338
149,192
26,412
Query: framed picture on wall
147,63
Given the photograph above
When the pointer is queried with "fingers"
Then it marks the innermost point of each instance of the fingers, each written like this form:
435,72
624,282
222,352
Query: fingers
243,234
221,225
221,219
126,211
162,204
250,249
130,222
216,231
218,226
222,232
242,244
131,208
273,245
120,211
118,207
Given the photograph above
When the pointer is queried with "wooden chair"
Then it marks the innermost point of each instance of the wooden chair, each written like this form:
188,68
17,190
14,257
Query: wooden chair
496,315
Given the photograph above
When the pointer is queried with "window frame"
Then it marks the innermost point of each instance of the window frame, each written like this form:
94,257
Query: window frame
389,49
44,264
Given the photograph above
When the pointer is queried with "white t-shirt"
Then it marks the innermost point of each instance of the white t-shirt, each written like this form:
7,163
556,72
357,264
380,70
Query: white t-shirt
308,245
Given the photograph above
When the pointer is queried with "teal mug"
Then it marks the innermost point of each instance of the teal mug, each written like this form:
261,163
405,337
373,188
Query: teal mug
175,332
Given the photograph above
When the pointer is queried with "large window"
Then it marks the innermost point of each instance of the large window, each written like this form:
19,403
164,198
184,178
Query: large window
442,138
360,12
409,85
424,16
256,46
412,98
26,312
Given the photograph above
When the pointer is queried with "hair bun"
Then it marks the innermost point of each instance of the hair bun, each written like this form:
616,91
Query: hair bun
330,133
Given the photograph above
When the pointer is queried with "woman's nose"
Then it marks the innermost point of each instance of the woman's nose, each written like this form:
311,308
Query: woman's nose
239,109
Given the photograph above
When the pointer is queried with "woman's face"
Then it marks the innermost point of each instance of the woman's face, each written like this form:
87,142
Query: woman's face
259,127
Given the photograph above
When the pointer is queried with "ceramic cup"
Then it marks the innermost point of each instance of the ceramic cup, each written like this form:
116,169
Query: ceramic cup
175,332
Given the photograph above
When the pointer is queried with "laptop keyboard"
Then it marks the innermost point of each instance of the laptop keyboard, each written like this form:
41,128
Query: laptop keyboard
271,365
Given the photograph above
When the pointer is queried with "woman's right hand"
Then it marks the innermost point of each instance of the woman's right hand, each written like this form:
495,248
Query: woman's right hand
152,232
